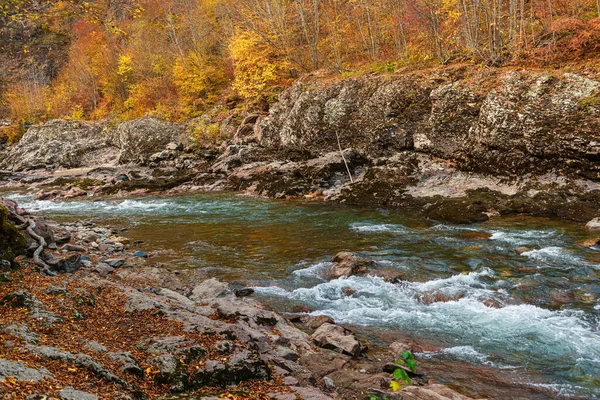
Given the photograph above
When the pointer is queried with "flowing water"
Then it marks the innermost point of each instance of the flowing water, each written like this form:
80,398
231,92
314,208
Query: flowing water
465,288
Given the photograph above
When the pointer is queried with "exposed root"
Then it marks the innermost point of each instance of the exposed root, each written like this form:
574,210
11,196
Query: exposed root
36,255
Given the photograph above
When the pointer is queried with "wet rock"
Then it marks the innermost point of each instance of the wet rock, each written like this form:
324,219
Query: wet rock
588,243
140,254
67,264
350,264
593,225
210,289
337,338
21,372
348,291
69,393
521,250
244,292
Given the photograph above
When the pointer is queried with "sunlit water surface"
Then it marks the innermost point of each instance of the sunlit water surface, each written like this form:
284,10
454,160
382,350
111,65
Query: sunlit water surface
537,311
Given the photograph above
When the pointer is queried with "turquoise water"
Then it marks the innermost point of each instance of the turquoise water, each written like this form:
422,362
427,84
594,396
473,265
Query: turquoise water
464,287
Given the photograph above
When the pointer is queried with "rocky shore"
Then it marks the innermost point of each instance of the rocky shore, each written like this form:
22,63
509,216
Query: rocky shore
105,325
457,145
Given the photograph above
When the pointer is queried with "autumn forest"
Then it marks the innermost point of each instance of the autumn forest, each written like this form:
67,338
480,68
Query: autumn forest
121,59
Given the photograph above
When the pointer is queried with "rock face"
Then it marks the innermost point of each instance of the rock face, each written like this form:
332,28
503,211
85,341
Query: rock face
141,138
60,144
528,121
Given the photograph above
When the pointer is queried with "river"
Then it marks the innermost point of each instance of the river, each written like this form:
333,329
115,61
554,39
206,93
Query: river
466,291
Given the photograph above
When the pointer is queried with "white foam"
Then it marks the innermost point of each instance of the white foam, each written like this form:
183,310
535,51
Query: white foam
313,271
521,237
378,228
515,329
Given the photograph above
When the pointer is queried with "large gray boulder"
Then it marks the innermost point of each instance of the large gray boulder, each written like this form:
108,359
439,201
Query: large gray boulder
141,138
60,144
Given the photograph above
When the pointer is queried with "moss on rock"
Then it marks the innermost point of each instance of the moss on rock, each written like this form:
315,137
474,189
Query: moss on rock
12,243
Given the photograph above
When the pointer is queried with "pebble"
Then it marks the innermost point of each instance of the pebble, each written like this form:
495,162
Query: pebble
140,254
115,262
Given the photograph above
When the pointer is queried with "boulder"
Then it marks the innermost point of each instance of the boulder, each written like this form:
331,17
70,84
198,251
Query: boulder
21,372
12,243
242,366
143,137
350,264
67,264
69,393
61,144
210,289
337,338
593,225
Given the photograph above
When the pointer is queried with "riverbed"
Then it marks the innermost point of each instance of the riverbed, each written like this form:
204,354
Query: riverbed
517,295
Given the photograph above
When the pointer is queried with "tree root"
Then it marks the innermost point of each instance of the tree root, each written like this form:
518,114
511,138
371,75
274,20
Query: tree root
36,255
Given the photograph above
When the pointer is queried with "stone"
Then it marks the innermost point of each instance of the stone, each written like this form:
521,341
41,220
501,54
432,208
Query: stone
96,347
127,363
337,338
329,383
36,309
589,243
69,393
21,331
56,290
60,144
210,289
241,366
140,254
21,372
115,262
73,247
350,264
315,322
139,139
67,264
399,347
171,371
593,225
173,345
431,392
104,269
244,292
311,393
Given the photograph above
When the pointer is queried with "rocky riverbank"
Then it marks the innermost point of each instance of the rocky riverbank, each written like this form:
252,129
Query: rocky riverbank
107,325
457,144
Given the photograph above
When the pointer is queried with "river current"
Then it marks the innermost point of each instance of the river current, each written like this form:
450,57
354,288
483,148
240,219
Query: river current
465,289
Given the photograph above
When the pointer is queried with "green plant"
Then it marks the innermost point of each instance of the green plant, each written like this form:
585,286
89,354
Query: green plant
400,375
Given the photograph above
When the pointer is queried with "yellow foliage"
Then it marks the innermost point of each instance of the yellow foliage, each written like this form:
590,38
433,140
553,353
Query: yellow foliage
26,102
198,80
204,134
258,68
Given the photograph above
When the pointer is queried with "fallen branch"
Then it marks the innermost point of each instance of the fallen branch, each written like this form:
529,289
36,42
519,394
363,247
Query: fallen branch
343,157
